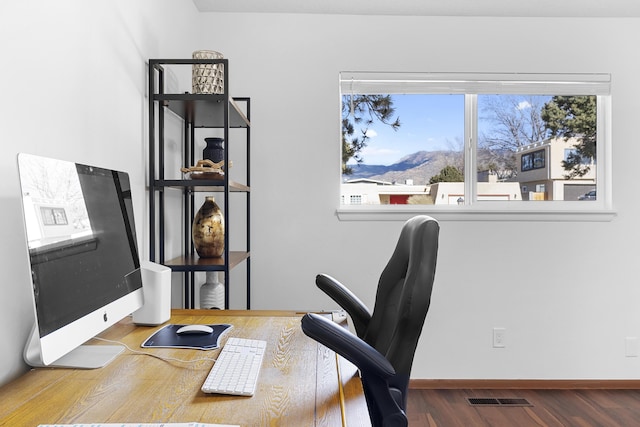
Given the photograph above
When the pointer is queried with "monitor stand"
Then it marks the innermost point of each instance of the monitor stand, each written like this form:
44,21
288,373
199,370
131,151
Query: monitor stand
88,357
82,357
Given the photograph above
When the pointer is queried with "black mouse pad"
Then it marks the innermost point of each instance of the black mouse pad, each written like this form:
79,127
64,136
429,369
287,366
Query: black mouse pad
168,338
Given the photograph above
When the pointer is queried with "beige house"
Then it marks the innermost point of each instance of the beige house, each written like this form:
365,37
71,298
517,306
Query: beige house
542,177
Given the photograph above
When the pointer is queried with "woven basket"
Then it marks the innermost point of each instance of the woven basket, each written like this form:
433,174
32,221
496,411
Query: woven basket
207,78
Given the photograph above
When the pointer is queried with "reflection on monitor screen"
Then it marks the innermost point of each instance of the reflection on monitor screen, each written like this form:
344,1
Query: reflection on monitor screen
83,255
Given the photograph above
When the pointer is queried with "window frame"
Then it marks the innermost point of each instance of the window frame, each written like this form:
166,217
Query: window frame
472,85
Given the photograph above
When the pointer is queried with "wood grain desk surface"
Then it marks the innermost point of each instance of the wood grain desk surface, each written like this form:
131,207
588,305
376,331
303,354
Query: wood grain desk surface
299,383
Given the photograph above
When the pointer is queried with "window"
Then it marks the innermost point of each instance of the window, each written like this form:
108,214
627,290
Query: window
475,143
53,216
533,160
571,153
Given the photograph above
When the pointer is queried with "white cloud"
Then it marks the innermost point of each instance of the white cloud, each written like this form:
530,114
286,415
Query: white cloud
523,105
371,133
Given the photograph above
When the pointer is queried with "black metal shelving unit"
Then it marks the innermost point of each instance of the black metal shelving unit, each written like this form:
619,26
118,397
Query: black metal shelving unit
219,111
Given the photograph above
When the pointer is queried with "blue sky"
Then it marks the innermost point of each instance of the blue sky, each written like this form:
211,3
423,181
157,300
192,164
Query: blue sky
427,122
430,123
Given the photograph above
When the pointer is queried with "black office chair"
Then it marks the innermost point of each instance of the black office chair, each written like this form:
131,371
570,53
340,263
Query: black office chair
386,340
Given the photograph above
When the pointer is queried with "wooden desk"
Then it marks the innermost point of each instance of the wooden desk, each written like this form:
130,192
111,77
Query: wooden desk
298,384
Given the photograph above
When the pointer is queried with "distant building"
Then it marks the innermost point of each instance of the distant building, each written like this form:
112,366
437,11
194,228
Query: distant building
452,193
542,177
371,192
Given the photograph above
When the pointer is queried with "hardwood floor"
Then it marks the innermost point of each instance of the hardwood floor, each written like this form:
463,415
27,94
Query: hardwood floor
552,408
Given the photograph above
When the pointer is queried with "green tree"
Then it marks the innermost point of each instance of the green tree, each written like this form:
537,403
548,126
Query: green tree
573,117
359,112
448,174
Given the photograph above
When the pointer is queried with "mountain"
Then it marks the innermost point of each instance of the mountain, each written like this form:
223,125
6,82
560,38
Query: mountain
419,167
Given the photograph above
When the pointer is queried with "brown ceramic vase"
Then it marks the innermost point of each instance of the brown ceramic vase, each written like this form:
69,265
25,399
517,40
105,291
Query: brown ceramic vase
208,230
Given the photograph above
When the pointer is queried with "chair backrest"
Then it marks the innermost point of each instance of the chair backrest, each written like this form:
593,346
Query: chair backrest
404,294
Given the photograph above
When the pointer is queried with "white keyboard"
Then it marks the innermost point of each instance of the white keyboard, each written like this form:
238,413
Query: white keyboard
236,368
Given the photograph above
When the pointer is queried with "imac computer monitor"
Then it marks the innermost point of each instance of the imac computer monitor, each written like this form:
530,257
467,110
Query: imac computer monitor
82,250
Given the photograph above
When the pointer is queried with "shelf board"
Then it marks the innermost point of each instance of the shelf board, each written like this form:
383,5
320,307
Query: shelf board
203,110
195,263
202,185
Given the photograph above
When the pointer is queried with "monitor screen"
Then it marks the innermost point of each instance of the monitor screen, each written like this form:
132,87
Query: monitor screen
83,255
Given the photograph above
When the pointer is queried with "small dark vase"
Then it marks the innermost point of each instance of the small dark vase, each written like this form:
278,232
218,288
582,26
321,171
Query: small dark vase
208,230
214,150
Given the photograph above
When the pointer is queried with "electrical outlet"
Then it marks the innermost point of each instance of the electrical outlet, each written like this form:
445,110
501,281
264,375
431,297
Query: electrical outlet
499,337
631,347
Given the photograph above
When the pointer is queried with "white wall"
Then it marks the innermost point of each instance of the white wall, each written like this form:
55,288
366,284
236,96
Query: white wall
73,86
566,292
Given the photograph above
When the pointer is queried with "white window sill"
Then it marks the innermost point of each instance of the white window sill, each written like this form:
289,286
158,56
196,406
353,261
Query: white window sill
475,213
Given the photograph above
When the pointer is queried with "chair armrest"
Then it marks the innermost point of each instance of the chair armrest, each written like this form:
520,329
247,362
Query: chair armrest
343,342
346,299
383,401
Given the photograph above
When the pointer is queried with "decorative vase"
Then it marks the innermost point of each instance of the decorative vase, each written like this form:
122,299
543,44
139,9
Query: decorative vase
207,78
208,230
212,292
214,150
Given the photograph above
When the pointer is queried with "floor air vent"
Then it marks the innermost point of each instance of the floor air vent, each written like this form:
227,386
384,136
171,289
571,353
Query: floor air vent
491,401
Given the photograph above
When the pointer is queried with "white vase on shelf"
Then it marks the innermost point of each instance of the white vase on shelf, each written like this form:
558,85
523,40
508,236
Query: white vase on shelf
207,78
212,291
